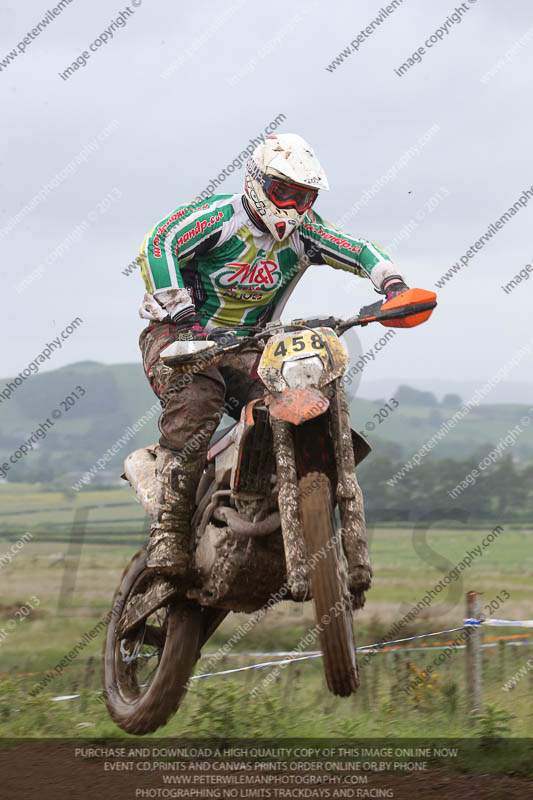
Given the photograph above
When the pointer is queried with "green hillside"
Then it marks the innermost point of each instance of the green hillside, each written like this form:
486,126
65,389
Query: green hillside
118,396
115,398
411,426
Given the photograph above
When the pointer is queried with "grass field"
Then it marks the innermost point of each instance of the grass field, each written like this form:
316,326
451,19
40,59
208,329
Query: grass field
72,573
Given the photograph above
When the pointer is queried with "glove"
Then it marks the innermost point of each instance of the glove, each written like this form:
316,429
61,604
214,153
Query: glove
189,328
393,287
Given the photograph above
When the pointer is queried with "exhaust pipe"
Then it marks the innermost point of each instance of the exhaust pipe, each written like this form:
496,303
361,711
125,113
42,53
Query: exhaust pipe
243,527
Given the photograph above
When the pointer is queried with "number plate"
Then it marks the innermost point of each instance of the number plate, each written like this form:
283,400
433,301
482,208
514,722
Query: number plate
286,346
291,346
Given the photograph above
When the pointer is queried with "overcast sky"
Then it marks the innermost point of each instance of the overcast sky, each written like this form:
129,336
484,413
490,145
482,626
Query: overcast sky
255,61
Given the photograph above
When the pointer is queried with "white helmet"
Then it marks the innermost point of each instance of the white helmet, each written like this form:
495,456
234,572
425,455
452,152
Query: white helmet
282,180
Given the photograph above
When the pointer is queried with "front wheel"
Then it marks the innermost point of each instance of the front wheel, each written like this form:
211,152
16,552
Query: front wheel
146,673
329,584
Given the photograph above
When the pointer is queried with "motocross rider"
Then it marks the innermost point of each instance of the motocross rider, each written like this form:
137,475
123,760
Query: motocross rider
231,260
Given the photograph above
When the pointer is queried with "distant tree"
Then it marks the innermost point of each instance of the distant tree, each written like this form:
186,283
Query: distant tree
384,447
508,487
393,450
452,401
499,493
412,397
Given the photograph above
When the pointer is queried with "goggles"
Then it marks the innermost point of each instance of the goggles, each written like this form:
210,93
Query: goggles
289,195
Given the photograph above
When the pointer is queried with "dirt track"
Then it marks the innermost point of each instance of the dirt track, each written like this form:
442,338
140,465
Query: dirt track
51,772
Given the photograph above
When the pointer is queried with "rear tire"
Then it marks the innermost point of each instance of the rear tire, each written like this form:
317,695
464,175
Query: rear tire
329,584
180,630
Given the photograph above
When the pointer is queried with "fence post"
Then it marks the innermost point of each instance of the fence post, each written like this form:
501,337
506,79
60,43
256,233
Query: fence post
473,654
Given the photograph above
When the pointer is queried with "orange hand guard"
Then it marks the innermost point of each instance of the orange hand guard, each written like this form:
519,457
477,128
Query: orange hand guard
410,297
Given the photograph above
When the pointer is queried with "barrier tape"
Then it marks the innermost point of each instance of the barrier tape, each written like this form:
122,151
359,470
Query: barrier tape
422,646
377,647
317,655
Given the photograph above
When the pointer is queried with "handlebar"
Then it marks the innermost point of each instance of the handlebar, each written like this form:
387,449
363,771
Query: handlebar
227,339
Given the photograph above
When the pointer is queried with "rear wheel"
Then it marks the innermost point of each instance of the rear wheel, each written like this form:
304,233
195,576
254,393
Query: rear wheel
146,673
329,583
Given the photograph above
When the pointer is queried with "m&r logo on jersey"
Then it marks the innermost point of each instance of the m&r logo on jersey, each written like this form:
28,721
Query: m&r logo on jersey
264,275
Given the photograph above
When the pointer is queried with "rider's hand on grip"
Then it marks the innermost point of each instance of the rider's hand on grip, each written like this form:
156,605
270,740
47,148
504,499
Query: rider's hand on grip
394,288
190,329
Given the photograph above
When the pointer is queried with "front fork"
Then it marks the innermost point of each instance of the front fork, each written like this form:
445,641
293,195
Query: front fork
293,541
348,496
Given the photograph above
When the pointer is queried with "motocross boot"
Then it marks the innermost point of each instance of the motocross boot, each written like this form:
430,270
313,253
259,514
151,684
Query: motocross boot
168,545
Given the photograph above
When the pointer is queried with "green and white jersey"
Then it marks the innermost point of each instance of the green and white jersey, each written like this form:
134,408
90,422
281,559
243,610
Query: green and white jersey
211,256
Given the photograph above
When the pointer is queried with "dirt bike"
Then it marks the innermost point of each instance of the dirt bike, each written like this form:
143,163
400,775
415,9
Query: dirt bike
264,528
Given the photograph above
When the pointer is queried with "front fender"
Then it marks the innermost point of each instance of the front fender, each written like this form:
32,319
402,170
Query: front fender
297,405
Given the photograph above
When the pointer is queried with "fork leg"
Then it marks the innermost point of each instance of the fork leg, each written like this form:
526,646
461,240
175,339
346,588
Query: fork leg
295,553
350,500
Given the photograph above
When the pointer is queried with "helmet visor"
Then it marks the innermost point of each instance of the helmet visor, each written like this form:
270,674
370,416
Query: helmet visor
290,195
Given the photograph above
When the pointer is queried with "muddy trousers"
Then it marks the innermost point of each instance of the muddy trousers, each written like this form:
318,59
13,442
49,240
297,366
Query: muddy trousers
192,407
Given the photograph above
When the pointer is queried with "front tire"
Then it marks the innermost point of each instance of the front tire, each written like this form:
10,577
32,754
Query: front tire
329,584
